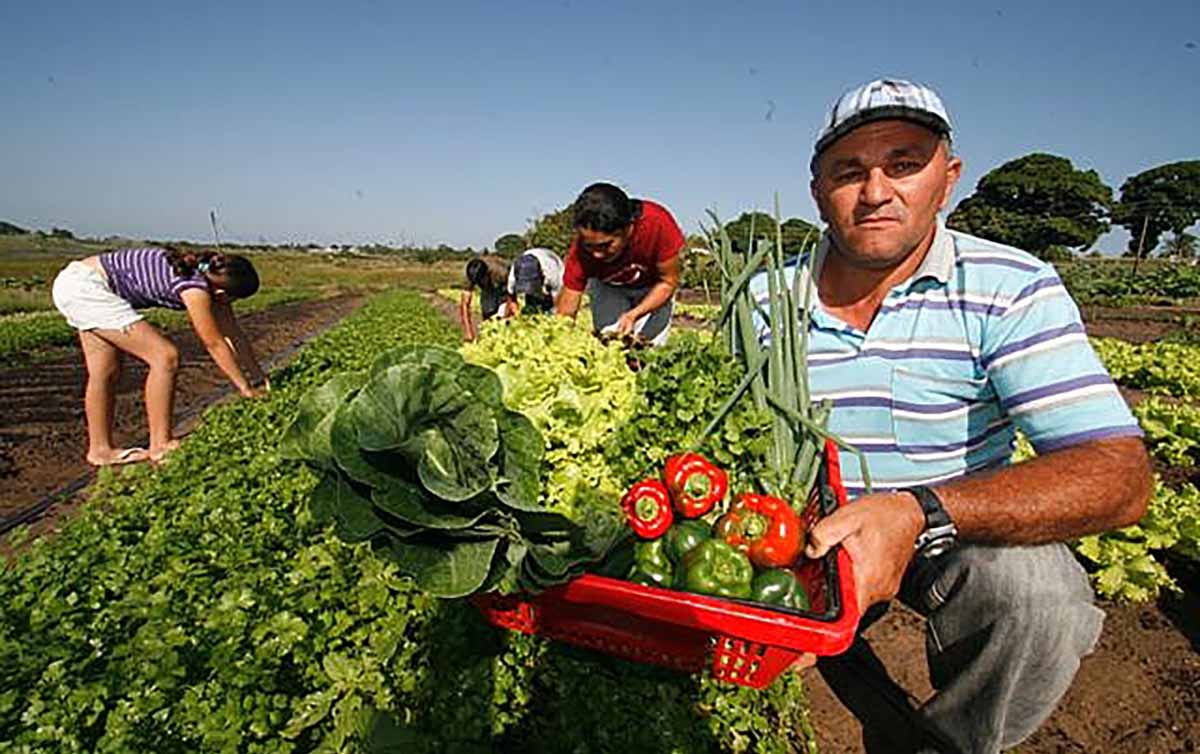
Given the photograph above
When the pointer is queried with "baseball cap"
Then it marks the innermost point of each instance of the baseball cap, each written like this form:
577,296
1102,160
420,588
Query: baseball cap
527,272
882,99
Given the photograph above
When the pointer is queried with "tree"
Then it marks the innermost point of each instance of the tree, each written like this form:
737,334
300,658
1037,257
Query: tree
553,231
1180,246
1165,198
1037,202
61,233
796,232
510,245
8,229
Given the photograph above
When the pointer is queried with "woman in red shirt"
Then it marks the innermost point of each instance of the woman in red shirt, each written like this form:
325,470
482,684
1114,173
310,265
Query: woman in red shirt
626,254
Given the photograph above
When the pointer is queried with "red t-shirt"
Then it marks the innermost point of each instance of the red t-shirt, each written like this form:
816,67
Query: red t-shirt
655,238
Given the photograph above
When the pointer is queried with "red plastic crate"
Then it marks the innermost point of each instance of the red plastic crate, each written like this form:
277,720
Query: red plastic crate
743,642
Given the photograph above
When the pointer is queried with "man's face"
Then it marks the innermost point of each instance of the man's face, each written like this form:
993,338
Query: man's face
880,188
600,246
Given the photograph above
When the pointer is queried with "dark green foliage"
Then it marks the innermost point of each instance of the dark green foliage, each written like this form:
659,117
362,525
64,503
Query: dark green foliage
1165,198
510,245
684,384
796,233
1037,202
1112,283
553,231
8,229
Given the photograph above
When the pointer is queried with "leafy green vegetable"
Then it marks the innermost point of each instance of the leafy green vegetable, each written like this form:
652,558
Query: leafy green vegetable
576,391
421,457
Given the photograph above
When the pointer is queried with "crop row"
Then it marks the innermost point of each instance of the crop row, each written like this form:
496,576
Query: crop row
22,335
198,607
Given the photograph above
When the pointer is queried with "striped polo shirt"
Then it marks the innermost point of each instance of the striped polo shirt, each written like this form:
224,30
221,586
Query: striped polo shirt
982,340
145,279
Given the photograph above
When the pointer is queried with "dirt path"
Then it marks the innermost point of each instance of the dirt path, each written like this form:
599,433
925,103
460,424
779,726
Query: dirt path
42,430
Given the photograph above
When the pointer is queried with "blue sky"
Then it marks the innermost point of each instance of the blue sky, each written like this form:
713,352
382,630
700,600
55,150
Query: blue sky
457,121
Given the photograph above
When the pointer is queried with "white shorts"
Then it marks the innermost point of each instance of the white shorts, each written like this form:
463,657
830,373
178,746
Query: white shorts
84,297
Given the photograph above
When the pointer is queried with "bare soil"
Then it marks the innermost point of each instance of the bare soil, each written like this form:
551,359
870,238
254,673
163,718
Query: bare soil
43,435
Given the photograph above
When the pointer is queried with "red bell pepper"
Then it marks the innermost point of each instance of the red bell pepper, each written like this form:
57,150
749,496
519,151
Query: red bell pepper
765,528
647,507
696,484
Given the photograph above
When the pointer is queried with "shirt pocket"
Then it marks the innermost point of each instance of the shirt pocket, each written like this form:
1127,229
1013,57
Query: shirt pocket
936,417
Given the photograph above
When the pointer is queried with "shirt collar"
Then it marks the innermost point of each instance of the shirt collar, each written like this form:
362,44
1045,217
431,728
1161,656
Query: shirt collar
937,264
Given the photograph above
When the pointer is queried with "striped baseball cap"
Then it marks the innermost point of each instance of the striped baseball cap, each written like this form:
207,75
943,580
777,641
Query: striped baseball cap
882,99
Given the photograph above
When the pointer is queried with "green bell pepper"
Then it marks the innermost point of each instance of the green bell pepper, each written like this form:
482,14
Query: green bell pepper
683,536
716,567
779,586
651,566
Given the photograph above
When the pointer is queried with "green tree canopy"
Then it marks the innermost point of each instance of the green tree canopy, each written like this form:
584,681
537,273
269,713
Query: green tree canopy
1165,198
510,245
553,231
8,229
796,232
1037,202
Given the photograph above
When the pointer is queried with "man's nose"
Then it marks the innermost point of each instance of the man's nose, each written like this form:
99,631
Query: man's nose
877,189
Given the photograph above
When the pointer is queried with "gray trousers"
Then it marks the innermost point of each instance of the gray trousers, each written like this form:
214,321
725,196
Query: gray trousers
609,302
1006,628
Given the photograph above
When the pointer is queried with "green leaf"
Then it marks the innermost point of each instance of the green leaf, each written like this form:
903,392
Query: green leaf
353,515
418,354
411,503
445,568
483,383
307,438
422,415
518,485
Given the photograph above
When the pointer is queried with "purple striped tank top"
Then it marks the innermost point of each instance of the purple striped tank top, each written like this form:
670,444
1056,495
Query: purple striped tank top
144,278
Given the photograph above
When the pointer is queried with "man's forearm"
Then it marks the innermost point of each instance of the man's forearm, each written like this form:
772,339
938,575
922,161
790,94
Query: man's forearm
660,294
1063,495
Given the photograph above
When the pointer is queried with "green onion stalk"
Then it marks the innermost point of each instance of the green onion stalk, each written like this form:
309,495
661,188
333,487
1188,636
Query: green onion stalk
776,373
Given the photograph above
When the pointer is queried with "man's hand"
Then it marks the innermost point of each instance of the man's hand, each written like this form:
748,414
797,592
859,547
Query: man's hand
878,532
252,392
625,323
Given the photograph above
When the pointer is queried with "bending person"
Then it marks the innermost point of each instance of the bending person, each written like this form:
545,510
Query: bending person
626,255
488,274
100,296
538,276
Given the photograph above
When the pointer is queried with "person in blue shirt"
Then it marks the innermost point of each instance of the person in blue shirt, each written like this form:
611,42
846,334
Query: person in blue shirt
934,348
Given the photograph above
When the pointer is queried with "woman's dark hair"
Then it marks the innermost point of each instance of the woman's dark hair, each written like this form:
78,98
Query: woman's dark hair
604,207
234,273
477,273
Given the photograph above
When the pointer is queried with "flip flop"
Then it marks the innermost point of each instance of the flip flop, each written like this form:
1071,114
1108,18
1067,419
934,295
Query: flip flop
127,455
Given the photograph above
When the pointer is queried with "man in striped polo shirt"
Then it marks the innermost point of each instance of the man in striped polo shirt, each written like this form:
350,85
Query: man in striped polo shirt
935,347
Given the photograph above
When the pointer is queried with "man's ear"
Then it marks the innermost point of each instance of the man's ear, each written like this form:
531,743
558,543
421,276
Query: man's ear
954,168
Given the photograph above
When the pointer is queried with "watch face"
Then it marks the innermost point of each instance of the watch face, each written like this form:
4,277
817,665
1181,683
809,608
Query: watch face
937,548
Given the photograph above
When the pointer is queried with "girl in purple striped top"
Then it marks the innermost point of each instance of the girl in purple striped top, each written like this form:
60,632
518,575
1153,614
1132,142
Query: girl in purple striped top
100,296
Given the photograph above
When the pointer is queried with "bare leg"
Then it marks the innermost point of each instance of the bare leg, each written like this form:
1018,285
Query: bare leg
162,358
103,362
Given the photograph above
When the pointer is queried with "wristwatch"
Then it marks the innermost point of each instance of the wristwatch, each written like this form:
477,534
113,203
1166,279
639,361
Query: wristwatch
940,534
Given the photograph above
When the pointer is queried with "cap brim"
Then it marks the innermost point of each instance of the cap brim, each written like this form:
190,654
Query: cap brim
526,287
